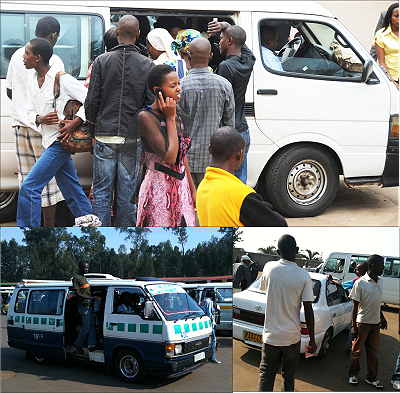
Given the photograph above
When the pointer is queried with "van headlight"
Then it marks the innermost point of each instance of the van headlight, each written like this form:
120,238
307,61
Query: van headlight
178,349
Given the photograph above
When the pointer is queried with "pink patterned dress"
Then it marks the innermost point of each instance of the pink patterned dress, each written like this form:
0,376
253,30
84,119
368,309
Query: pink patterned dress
164,197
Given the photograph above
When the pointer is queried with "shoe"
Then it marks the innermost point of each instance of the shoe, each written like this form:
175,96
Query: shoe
215,361
353,381
95,348
375,384
396,384
79,350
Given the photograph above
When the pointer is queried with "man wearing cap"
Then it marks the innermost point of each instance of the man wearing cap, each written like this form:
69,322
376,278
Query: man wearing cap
241,274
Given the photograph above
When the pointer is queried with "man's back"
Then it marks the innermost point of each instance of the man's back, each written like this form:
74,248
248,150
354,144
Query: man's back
286,286
240,273
209,101
117,90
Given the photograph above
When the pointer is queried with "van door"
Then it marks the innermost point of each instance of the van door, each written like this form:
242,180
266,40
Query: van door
44,323
391,281
16,316
326,108
125,326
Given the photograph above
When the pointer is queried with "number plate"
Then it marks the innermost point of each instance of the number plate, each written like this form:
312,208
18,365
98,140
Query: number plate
199,356
253,337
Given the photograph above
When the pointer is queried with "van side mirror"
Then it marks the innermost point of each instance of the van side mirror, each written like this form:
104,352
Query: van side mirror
148,309
367,71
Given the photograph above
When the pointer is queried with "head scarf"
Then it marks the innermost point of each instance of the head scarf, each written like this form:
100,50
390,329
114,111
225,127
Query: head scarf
161,40
183,40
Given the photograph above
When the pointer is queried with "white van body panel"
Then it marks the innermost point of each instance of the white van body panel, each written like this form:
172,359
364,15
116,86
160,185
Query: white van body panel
391,284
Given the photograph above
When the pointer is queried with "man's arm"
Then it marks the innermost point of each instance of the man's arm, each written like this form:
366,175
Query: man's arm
309,316
383,321
148,94
228,115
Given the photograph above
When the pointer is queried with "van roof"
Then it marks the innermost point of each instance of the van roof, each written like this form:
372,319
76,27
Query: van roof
291,7
95,282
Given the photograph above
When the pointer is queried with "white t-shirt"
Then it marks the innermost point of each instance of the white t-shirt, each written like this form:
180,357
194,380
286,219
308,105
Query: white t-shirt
17,78
369,294
286,286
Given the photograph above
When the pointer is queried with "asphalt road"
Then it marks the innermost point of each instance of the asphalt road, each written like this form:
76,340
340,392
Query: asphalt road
19,374
329,374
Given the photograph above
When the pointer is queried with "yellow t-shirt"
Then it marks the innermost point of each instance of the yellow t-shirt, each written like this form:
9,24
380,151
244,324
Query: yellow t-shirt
390,43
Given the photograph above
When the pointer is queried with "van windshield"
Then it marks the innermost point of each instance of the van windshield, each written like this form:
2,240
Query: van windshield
174,302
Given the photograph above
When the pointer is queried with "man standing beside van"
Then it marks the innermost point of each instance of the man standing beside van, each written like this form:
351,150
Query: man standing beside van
28,142
85,307
237,68
367,320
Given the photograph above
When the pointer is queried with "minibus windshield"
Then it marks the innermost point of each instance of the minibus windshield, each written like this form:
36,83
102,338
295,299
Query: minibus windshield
174,302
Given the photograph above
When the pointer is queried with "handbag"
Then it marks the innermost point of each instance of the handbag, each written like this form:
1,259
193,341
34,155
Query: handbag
81,138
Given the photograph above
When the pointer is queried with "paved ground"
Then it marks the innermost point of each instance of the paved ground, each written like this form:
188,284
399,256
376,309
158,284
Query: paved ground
19,374
329,374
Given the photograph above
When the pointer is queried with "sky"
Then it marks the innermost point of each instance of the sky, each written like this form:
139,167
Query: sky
368,240
114,239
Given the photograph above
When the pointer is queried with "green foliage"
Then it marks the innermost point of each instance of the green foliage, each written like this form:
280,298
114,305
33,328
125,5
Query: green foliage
270,250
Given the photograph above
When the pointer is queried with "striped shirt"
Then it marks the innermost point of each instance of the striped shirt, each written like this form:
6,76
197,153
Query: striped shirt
270,60
209,101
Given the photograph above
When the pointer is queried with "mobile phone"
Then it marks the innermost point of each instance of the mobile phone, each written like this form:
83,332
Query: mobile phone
158,94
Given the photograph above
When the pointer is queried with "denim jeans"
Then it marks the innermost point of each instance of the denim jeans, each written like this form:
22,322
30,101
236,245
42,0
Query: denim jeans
88,328
213,343
241,173
396,374
368,334
57,162
110,166
271,359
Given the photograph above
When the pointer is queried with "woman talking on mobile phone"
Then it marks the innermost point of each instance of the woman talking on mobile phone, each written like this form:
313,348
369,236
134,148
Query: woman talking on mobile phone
167,194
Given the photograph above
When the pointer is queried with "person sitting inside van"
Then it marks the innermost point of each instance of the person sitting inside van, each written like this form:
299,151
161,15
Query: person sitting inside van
269,41
241,205
126,307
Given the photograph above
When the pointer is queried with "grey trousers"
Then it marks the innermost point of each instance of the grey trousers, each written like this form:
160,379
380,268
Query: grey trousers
271,359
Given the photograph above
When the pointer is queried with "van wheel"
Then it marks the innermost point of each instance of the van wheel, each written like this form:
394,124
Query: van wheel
129,366
323,351
302,181
8,205
40,360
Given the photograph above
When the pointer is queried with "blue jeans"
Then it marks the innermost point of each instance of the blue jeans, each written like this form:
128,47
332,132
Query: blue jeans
213,344
241,173
55,161
271,359
110,165
88,328
396,374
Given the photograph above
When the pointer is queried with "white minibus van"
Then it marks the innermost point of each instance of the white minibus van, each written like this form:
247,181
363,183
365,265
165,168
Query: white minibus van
310,122
341,265
167,334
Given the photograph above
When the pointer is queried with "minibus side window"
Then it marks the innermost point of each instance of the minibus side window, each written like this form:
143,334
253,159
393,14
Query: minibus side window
79,43
355,260
46,302
315,49
20,301
128,301
224,295
392,266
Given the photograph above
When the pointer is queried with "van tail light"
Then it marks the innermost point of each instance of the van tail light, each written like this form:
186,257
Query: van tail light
236,313
394,129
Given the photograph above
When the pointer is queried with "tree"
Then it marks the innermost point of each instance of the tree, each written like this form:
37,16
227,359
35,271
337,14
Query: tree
311,255
13,261
233,235
270,250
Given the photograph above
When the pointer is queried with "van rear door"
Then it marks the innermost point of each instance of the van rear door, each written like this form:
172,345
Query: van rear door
44,322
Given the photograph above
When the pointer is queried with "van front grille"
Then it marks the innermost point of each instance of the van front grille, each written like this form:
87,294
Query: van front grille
196,345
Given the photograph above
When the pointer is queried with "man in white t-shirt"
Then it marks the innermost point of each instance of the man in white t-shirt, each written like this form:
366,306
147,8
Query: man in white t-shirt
367,319
287,287
28,141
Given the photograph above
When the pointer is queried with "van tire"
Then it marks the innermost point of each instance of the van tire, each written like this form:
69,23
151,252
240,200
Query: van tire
310,164
129,366
8,205
40,360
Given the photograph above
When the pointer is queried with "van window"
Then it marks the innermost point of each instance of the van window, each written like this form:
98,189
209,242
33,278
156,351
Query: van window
46,302
392,266
128,301
315,50
79,43
222,295
334,265
20,302
355,260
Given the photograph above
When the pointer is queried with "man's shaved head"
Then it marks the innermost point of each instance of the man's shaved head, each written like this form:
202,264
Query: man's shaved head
287,247
128,26
199,52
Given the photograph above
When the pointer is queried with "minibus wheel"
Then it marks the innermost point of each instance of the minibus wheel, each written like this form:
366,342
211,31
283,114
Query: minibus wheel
302,180
129,366
40,360
8,205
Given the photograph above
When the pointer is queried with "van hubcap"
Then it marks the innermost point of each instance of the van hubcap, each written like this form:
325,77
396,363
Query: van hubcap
129,366
306,182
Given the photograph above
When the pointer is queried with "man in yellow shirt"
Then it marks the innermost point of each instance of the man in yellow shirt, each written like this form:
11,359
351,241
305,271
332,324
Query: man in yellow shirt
223,199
